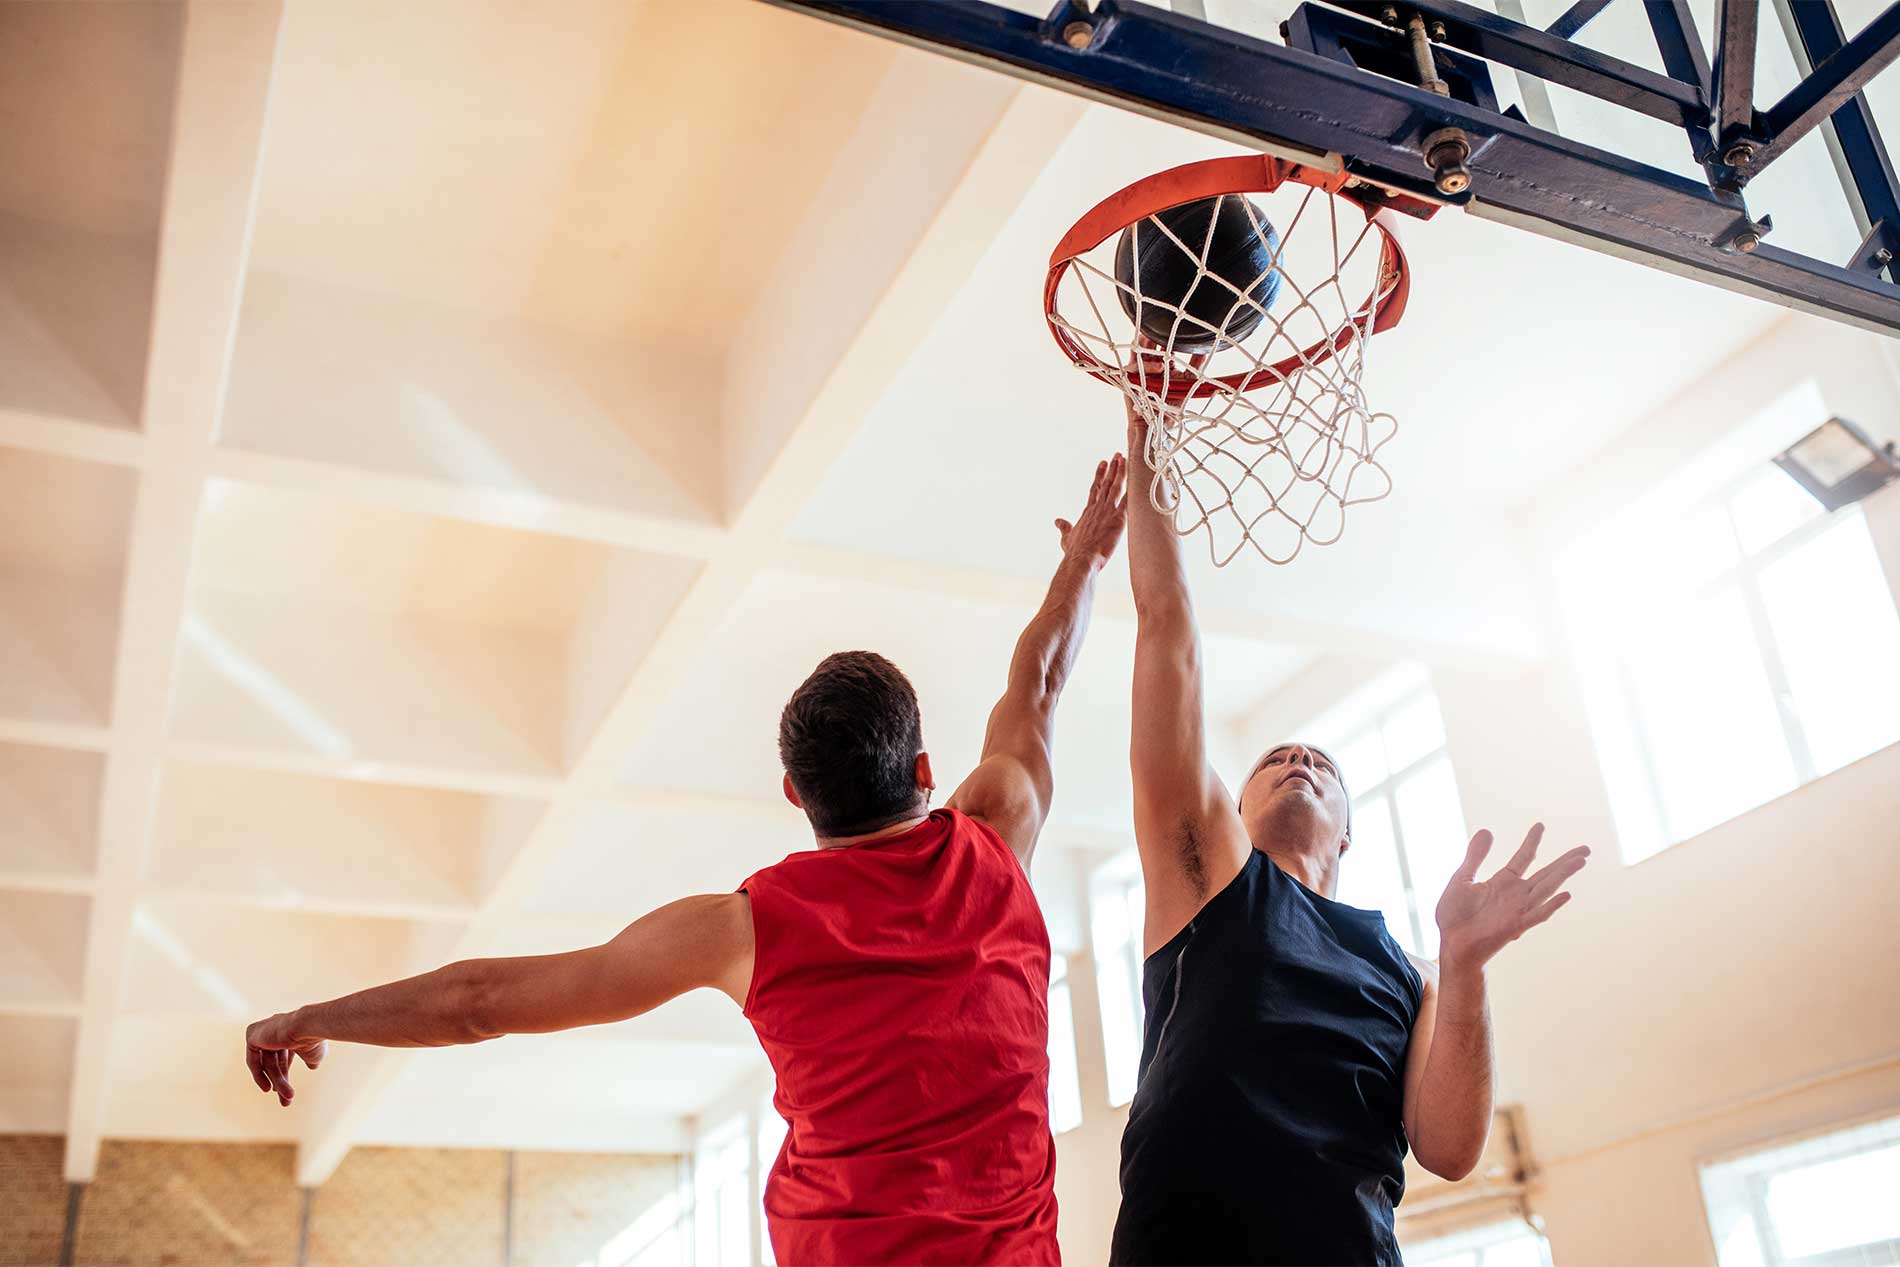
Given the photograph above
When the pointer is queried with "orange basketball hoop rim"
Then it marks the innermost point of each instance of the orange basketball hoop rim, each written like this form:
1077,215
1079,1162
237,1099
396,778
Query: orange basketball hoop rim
1242,174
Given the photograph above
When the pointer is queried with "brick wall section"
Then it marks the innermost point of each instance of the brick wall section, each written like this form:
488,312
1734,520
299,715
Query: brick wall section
32,1199
207,1205
569,1205
410,1207
213,1205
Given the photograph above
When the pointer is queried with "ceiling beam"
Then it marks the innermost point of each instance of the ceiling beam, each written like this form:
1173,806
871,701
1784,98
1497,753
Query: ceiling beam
53,734
942,159
223,85
63,437
1115,601
436,774
473,503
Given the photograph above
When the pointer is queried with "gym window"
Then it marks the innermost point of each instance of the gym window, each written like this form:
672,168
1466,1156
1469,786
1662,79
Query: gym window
1065,1084
722,1213
1117,906
1825,1201
1408,824
1512,1243
768,1140
1732,651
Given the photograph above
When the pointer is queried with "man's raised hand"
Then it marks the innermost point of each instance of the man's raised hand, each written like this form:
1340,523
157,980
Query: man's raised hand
1476,920
1095,532
269,1046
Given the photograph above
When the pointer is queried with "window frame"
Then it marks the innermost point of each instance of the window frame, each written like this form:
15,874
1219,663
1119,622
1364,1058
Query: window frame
1480,1240
1061,976
1619,641
711,1188
1388,788
1877,1133
1774,1254
1369,721
1119,880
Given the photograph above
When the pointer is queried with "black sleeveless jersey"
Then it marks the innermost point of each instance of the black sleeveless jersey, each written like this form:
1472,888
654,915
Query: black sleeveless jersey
1267,1125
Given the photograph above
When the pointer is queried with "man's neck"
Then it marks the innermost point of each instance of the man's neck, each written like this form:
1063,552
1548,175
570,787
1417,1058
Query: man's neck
1318,871
893,829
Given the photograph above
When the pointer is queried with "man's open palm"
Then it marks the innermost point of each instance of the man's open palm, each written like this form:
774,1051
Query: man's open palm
1476,920
1098,528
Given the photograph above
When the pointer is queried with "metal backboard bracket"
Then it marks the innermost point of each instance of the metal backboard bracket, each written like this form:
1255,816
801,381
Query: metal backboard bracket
1322,105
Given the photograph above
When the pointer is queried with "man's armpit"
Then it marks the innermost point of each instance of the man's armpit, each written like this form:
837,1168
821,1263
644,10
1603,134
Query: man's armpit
1190,849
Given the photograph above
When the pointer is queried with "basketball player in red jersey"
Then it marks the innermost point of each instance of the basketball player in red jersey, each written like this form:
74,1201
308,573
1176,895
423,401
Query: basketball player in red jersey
897,975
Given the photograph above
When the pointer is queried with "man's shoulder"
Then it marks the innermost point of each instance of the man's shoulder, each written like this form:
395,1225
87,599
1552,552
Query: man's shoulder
984,836
964,824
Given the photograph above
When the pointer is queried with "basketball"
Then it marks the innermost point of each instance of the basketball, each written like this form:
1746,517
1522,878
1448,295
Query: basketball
1241,252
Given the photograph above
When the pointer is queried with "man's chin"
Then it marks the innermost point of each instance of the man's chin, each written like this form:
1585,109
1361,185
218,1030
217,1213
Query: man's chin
1294,810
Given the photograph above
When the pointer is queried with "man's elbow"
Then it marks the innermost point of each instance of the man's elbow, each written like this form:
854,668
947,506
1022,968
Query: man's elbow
477,1003
1455,1169
1161,609
1450,1162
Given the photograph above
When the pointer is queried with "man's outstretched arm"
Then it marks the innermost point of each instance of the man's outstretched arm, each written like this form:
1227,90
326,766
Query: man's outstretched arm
1013,783
1186,828
696,941
1448,1092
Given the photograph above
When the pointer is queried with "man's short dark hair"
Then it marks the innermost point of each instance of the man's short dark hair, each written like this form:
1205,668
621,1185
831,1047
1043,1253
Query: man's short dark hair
849,739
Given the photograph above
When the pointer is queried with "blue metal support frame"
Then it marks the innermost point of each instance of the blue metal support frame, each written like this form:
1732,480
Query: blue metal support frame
1840,71
1682,55
1676,38
1575,18
1823,44
1737,23
1383,50
1298,104
1524,47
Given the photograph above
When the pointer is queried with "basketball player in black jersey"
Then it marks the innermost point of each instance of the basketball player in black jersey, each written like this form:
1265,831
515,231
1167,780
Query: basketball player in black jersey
1292,1050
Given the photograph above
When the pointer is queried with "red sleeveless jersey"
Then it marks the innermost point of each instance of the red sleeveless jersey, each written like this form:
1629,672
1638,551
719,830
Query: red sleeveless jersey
900,988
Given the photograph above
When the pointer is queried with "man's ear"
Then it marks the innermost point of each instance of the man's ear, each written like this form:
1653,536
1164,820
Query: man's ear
926,781
791,793
1345,843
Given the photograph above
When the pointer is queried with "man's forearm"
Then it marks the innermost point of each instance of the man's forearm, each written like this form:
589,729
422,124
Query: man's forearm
437,1009
1046,652
1156,571
1455,1096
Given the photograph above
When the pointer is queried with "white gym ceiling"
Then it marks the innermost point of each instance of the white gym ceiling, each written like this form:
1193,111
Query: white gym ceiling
435,438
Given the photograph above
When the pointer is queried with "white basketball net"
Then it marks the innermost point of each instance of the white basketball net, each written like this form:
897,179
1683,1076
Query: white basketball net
1274,465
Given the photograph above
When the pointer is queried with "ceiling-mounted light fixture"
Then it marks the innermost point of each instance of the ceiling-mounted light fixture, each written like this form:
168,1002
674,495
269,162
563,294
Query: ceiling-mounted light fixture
1838,464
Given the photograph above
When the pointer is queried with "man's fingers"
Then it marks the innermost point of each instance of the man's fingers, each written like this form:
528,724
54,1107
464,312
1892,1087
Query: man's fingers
313,1056
254,1060
1527,851
1104,489
1063,526
1474,856
1551,878
1547,910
